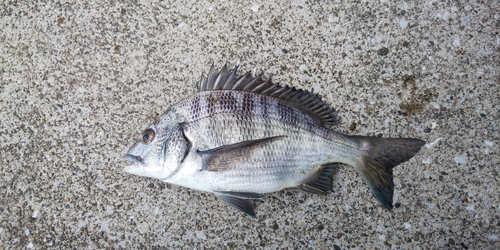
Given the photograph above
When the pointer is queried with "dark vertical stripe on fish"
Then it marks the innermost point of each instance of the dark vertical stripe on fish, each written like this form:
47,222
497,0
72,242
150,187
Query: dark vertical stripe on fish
211,102
248,105
263,104
282,112
195,107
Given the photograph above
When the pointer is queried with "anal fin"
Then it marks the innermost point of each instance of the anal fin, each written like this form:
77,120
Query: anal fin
322,183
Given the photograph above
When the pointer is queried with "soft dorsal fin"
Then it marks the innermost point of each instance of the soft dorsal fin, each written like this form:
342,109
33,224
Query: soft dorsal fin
303,100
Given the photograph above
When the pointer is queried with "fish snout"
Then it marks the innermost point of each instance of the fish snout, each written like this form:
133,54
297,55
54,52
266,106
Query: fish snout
133,158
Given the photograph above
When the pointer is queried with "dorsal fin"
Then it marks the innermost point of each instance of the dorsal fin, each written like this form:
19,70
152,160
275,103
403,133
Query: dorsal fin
303,100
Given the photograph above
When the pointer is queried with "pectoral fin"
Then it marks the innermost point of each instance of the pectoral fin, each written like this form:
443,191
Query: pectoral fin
224,157
240,201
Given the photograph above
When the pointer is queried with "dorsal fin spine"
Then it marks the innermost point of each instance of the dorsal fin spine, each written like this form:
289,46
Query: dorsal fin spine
250,86
210,79
219,81
240,81
231,77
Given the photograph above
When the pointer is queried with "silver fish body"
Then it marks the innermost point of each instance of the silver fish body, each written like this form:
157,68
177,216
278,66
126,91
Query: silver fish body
241,137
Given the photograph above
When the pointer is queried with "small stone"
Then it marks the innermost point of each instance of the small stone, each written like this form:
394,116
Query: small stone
403,23
104,227
460,159
383,51
353,126
427,130
451,241
97,166
201,235
493,237
432,144
101,186
255,8
486,202
303,67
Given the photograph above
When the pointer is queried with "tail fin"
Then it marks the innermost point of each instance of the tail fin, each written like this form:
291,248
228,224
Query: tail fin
379,156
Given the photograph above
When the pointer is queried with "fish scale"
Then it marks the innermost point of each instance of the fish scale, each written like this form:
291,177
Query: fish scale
243,136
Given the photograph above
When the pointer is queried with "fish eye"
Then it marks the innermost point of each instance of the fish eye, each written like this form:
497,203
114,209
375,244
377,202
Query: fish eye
147,136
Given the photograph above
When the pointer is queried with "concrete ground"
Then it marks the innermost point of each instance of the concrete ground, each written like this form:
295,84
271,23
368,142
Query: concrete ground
79,80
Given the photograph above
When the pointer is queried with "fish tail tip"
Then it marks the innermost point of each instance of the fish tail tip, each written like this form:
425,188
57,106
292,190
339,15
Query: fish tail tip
379,157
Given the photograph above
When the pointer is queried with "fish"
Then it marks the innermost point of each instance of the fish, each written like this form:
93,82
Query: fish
243,136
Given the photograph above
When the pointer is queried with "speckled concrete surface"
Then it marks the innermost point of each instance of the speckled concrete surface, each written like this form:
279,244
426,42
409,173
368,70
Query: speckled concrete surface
79,80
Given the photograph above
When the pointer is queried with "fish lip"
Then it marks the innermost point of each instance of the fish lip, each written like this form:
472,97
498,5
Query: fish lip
136,160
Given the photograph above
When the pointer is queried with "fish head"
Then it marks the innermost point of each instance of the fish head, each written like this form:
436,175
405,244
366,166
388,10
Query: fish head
158,151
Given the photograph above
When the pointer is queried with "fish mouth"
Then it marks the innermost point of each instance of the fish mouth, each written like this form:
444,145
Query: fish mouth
133,158
136,160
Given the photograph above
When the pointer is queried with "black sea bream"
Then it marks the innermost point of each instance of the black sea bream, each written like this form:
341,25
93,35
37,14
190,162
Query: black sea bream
240,137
